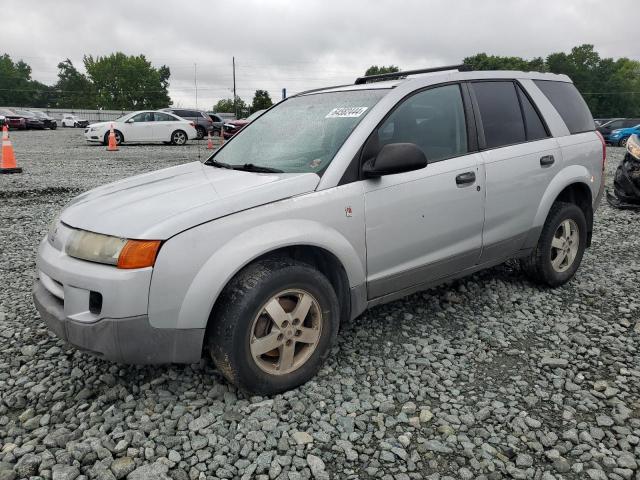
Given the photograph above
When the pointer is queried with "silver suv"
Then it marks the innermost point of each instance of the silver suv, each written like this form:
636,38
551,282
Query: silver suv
331,202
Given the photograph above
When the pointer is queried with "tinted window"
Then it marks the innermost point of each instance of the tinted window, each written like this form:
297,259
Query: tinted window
163,117
569,103
533,125
500,113
632,122
433,119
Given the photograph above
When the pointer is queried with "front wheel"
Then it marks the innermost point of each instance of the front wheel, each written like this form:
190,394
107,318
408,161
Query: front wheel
54,126
273,326
178,137
118,135
561,246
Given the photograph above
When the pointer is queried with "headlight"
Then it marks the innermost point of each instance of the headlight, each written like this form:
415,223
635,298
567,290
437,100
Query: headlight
633,146
123,253
93,129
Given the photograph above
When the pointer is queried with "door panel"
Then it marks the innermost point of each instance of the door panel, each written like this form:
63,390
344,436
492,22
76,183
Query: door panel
425,224
421,226
520,159
515,183
141,129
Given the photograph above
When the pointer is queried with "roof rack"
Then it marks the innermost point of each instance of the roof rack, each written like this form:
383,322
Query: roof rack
319,89
388,76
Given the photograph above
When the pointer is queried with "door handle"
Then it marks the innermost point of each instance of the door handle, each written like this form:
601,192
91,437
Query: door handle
466,178
547,160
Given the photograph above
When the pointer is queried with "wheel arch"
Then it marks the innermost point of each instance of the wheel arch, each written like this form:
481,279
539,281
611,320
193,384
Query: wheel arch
572,185
304,240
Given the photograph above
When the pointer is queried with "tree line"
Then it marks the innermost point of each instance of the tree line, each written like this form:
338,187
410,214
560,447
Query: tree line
112,82
610,86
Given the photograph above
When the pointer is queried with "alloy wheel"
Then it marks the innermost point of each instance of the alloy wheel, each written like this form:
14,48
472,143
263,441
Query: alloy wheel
564,246
179,138
286,331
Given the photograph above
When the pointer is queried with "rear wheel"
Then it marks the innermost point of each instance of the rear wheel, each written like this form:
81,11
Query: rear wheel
273,326
178,137
622,142
561,246
200,131
54,126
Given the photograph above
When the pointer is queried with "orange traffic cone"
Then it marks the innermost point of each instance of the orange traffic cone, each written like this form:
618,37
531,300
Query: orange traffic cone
209,142
113,145
8,160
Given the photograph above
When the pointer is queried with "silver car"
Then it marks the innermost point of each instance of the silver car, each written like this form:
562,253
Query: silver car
331,202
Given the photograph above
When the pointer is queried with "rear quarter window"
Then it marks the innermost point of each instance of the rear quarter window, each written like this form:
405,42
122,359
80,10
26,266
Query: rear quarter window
566,99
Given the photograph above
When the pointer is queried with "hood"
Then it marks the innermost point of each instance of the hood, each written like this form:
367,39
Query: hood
160,204
103,124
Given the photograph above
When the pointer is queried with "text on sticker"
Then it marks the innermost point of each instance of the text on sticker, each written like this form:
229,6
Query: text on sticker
346,112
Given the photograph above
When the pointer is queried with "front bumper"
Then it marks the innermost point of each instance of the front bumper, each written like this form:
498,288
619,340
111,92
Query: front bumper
95,136
128,340
116,327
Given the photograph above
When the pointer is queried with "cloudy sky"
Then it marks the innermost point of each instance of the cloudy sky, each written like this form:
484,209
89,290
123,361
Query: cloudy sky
302,44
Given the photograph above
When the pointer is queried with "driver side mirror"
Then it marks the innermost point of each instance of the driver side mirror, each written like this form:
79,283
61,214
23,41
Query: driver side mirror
129,121
395,158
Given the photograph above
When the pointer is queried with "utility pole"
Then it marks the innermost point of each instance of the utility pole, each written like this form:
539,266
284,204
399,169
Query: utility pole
235,103
195,81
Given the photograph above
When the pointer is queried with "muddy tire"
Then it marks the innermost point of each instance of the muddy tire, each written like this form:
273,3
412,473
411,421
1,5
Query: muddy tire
560,247
273,326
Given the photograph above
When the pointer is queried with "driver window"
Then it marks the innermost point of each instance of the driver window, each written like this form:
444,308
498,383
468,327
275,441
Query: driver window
433,119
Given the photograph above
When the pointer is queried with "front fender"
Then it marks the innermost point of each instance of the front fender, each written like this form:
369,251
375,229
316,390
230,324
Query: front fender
214,274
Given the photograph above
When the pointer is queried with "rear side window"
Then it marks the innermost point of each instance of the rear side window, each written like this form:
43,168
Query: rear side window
533,125
500,113
163,117
569,103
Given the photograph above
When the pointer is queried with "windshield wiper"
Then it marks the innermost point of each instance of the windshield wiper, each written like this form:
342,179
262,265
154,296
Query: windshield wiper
250,167
215,163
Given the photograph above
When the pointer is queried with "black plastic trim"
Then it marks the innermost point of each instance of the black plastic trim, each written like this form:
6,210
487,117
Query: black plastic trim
393,75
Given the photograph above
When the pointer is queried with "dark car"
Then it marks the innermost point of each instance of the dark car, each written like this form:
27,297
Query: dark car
49,122
614,124
13,120
218,122
33,122
202,121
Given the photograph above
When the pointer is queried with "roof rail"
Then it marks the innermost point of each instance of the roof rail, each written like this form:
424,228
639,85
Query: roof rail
388,76
319,89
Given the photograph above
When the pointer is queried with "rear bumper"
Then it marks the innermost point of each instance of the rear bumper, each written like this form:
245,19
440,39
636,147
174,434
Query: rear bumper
128,340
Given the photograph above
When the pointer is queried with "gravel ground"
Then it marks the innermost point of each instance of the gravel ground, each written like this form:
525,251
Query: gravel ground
489,377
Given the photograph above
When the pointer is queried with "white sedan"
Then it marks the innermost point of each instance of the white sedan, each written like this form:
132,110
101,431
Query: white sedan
144,126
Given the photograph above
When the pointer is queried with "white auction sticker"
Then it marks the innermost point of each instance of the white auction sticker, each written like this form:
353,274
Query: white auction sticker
346,112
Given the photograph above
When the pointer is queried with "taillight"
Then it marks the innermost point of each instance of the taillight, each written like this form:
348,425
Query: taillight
192,124
210,122
604,150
